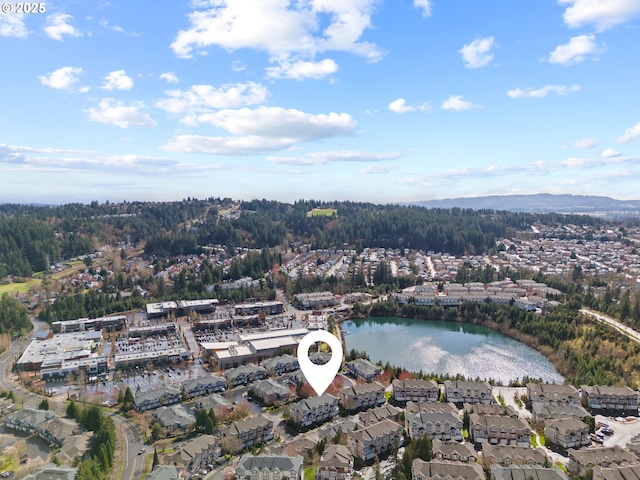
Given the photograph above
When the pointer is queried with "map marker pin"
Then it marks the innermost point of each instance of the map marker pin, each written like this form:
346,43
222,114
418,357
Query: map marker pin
320,376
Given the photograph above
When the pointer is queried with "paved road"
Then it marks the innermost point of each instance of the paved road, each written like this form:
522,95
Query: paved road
133,463
625,330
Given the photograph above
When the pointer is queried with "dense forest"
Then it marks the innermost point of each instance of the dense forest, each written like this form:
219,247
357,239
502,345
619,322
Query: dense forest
33,237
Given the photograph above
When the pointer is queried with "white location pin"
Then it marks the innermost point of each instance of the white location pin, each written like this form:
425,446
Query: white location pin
319,376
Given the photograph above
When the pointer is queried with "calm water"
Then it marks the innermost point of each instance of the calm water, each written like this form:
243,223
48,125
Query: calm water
446,347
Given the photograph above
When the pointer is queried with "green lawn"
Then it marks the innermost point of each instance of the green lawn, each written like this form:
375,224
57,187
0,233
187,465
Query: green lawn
317,212
309,473
19,287
534,440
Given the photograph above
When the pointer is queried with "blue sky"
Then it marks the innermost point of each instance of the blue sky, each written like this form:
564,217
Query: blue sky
366,100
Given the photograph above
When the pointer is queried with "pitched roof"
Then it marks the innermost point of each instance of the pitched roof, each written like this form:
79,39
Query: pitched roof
270,462
336,456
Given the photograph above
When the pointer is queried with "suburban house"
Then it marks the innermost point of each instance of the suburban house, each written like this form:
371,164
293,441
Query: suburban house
502,430
442,469
443,426
416,391
530,472
553,393
620,399
506,455
198,453
271,392
364,369
454,451
250,431
175,418
269,467
462,391
314,410
280,364
203,386
244,374
159,397
362,396
377,414
336,463
26,419
541,412
74,446
567,432
375,439
582,460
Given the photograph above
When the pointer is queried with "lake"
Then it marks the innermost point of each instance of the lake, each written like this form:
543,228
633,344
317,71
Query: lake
447,347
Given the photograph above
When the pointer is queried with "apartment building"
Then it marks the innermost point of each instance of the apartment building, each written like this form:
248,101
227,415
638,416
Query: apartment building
336,463
442,469
462,391
553,393
204,385
608,457
454,451
530,472
567,433
375,439
364,369
250,431
416,391
159,397
366,395
541,412
314,410
244,374
271,392
280,364
502,430
377,414
443,426
269,467
506,455
619,399
198,453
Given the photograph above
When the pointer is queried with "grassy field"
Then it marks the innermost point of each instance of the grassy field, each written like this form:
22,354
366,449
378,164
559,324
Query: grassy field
309,473
317,212
20,287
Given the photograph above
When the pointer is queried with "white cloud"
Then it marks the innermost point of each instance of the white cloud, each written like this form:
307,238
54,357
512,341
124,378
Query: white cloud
400,106
56,27
377,169
424,5
611,153
204,98
585,143
117,80
604,14
305,28
238,66
477,53
455,102
169,77
575,51
114,112
277,122
630,134
323,158
62,79
300,70
249,145
542,92
12,25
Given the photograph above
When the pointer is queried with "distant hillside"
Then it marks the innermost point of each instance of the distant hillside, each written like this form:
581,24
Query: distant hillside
543,203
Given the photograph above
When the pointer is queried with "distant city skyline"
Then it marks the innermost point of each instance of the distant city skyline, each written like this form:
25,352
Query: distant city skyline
364,100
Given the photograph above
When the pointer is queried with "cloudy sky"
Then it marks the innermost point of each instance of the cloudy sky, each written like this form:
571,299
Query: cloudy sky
368,100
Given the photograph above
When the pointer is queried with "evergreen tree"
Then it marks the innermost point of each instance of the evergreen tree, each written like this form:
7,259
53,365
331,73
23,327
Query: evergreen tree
156,460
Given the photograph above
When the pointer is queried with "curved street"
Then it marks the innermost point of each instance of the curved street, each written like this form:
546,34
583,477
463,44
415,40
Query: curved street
133,466
602,318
